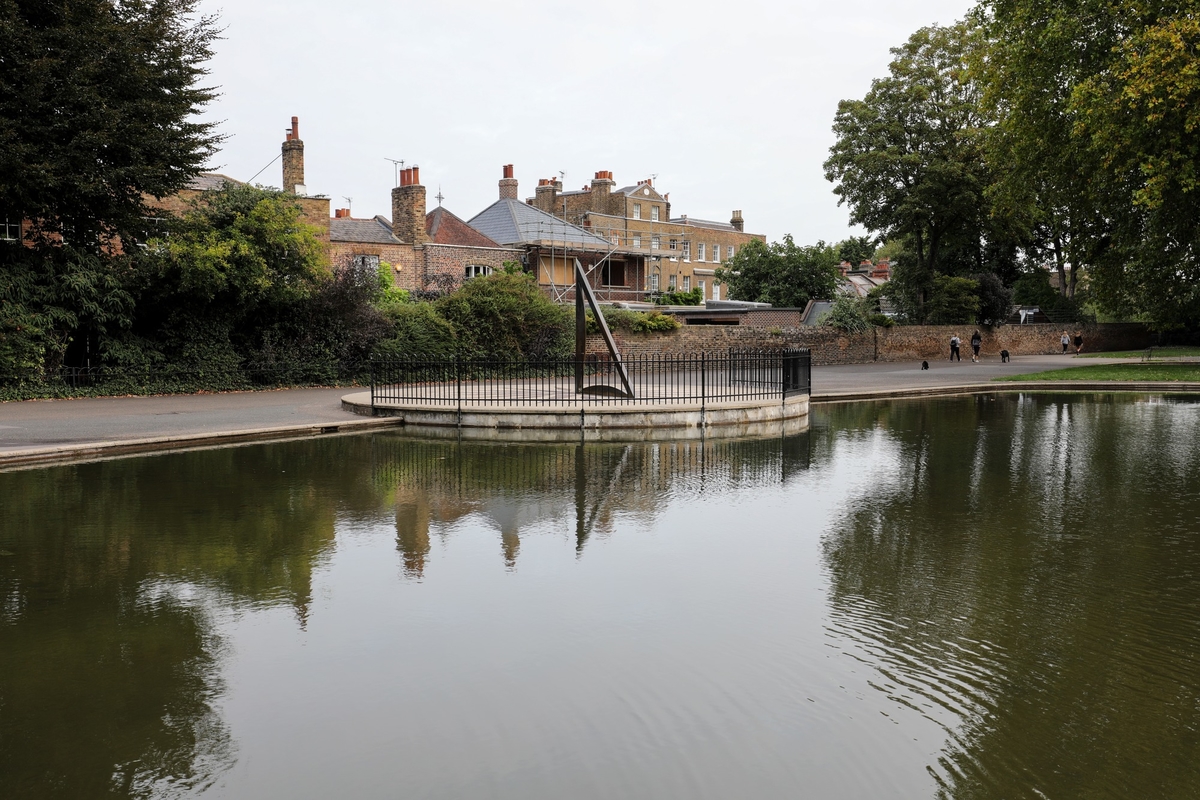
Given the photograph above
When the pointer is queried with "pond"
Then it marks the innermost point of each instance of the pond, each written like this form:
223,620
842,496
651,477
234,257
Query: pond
975,597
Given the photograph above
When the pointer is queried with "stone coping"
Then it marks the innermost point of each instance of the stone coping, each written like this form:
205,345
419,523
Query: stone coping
96,451
582,415
1057,387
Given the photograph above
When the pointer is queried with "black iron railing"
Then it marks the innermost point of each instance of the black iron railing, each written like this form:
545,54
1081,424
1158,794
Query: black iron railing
731,376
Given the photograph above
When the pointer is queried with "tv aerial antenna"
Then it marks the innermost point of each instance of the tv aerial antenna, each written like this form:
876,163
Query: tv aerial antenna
397,165
349,202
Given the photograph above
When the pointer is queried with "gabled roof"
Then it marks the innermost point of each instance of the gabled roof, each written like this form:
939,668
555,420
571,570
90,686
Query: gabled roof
210,182
511,222
443,227
376,230
637,189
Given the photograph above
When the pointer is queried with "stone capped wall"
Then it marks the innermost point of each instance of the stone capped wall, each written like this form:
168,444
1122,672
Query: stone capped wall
899,343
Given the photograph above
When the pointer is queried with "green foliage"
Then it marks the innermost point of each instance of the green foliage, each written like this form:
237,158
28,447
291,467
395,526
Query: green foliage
881,320
856,249
692,297
389,294
239,247
99,102
506,315
953,301
621,319
418,332
783,274
1096,106
849,313
995,300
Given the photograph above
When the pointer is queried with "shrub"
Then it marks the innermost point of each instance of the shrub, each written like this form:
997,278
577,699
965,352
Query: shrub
506,315
849,314
621,319
693,297
953,301
418,331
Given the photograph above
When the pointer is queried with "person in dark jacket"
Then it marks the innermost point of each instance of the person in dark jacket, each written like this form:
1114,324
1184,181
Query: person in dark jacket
976,343
954,342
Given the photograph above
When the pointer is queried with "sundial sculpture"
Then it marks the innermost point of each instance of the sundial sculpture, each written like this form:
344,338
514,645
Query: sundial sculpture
583,290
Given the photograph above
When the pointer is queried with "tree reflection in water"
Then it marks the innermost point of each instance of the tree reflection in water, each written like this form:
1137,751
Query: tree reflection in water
112,573
515,486
1024,572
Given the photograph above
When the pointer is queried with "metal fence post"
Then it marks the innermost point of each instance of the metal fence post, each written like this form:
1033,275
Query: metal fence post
458,384
372,386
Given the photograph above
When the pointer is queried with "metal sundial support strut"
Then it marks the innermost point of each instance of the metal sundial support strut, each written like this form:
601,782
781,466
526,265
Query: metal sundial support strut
584,290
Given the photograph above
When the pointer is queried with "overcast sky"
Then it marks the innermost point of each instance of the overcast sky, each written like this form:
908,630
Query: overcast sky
730,104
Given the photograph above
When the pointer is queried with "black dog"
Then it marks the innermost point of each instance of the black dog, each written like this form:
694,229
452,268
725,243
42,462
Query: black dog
1003,356
924,365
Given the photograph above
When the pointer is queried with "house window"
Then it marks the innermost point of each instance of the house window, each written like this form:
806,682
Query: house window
654,213
687,283
700,286
716,253
637,240
673,244
654,282
687,251
366,266
655,242
700,251
637,210
613,273
10,229
616,240
671,282
716,291
729,252
476,270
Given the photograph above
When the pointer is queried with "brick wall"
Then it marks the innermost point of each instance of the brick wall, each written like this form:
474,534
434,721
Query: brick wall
773,317
900,343
451,260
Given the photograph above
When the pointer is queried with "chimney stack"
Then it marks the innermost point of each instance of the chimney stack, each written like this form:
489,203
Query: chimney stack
508,184
293,161
736,221
341,213
602,186
408,208
546,194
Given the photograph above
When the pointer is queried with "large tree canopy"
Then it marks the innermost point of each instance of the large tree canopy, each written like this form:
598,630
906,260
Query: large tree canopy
1097,118
97,99
908,160
781,273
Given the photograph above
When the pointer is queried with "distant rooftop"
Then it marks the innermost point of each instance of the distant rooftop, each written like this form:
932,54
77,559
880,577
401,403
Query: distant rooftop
211,182
376,230
511,222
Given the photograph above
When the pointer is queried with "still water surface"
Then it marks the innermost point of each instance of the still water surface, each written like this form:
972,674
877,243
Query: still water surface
991,597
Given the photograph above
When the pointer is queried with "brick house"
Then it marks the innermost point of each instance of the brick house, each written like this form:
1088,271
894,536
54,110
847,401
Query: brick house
550,246
682,253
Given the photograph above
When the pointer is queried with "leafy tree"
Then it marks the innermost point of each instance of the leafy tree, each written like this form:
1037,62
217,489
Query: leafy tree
953,301
909,158
692,297
783,274
995,299
1096,104
97,112
857,249
506,315
849,313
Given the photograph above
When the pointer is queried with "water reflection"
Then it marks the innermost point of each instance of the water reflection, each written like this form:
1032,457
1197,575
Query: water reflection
1024,573
514,486
990,597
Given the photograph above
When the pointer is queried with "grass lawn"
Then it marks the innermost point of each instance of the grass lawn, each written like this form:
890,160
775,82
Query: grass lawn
1159,352
1115,372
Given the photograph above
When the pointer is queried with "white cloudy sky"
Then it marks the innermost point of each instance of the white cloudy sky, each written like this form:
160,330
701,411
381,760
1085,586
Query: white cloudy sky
729,103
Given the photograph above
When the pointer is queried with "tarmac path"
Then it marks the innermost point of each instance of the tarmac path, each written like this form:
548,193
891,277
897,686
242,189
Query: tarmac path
83,426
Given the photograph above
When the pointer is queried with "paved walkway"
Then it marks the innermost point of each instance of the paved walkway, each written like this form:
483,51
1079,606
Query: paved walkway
49,429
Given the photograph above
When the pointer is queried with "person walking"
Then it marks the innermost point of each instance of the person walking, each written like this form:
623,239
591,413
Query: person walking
1078,341
1066,342
976,343
954,343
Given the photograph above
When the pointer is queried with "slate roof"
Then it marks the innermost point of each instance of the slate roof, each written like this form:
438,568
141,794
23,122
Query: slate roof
705,223
511,222
443,227
376,230
210,182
